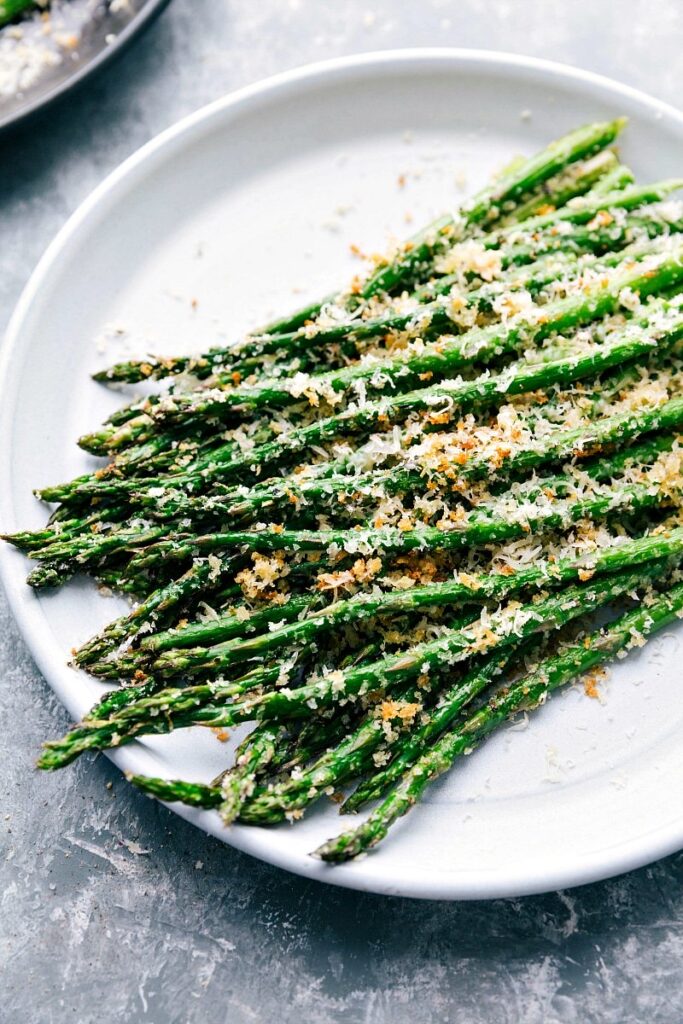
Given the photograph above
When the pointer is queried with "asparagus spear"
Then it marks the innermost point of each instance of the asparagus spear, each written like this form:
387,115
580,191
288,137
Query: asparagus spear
637,343
581,143
194,794
615,178
502,628
577,145
576,443
269,804
577,179
116,701
601,469
485,523
602,172
237,622
527,694
585,208
224,363
286,495
406,478
159,603
238,784
475,589
475,529
272,804
486,205
231,625
352,755
529,243
436,359
313,734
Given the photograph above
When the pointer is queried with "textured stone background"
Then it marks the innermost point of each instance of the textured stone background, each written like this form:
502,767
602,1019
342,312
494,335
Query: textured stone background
112,909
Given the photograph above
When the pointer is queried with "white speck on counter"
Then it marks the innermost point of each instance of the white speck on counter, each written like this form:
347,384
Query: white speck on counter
571,925
135,848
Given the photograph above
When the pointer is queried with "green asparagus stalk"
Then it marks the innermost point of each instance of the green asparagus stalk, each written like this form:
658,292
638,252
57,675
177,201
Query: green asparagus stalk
637,343
159,604
257,680
475,589
481,526
504,627
230,625
527,694
414,251
474,530
223,363
194,794
445,356
211,796
237,785
534,239
584,142
615,178
313,735
585,208
576,180
286,496
271,803
577,443
487,205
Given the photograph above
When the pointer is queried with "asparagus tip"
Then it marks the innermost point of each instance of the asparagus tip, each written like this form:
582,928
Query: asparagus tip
51,756
337,851
94,444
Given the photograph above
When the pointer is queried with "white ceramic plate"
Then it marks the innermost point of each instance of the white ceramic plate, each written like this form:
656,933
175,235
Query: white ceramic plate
239,207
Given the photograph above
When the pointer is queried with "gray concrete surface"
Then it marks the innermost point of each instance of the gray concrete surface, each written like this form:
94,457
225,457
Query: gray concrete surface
112,909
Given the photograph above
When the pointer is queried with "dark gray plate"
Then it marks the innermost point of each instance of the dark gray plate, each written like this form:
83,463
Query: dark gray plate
41,59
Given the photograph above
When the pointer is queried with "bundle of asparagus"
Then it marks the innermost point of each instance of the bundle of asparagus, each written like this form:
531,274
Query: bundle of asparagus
382,525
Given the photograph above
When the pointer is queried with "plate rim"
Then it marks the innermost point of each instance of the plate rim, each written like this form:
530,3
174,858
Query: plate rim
44,101
462,885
